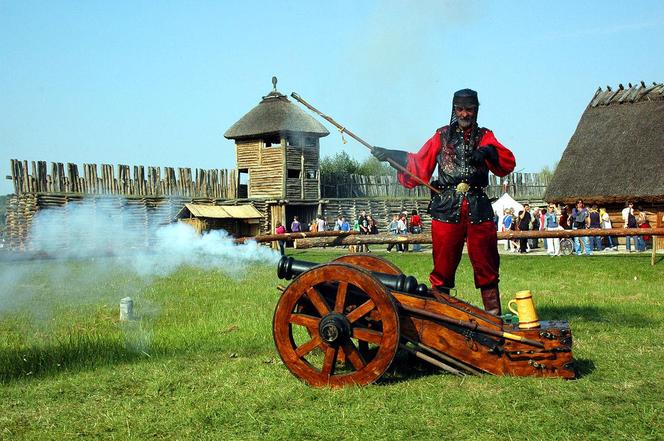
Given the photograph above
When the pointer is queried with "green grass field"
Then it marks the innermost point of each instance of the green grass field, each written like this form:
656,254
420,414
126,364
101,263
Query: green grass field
201,364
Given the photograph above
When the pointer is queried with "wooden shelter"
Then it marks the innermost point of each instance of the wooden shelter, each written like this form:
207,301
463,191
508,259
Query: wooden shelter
237,220
278,151
617,151
616,154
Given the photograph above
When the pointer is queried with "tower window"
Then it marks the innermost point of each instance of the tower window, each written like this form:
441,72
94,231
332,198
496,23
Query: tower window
293,173
272,141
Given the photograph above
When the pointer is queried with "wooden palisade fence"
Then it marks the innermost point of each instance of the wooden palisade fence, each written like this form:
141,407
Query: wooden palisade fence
34,177
521,186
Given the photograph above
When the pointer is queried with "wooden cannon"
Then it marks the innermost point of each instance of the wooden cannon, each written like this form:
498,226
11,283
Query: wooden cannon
342,323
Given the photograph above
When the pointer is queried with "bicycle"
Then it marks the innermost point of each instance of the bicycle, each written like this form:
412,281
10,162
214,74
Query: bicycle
566,246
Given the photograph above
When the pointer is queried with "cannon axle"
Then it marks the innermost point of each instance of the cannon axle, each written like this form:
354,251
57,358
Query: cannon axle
334,329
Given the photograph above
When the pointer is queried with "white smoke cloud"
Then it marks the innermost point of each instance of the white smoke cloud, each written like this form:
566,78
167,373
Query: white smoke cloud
96,249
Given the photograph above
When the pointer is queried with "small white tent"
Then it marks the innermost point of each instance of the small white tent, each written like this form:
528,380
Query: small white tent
506,201
499,205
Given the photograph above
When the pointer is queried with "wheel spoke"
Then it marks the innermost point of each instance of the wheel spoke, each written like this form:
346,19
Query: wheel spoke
360,311
341,297
308,346
353,355
308,321
368,335
318,301
330,361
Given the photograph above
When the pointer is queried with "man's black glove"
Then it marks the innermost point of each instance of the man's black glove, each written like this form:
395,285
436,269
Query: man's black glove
487,153
398,156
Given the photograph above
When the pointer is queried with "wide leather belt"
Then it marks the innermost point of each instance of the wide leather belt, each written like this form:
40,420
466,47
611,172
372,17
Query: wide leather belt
461,187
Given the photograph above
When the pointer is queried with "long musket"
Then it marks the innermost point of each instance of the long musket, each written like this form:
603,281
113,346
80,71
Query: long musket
343,129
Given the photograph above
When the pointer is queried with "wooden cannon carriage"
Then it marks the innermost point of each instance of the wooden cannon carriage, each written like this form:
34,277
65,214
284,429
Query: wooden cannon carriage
342,323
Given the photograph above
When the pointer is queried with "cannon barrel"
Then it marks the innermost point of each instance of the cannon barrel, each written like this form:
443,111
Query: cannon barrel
288,268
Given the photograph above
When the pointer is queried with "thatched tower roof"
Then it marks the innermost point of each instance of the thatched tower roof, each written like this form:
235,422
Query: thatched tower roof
617,150
275,114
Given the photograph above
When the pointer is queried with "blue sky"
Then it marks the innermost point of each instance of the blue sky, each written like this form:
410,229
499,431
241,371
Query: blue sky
158,83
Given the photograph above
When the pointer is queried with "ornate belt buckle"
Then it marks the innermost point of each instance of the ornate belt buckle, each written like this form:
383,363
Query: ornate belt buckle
462,187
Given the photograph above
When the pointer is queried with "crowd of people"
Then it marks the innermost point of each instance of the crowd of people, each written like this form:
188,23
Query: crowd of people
401,224
550,218
579,217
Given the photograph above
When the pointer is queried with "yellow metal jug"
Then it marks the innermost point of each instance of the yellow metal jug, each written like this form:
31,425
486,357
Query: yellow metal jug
525,309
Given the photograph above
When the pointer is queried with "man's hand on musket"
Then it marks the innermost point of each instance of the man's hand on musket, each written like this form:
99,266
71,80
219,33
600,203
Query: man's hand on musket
398,156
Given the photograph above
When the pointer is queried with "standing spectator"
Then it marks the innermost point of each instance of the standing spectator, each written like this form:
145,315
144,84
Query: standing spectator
551,224
295,227
416,228
629,222
542,214
345,226
514,227
373,228
337,224
393,227
313,226
580,221
534,243
642,222
406,224
611,241
280,229
595,223
507,225
364,229
564,218
524,225
321,223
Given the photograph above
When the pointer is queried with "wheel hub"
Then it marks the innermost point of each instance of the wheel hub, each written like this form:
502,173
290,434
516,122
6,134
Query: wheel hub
334,329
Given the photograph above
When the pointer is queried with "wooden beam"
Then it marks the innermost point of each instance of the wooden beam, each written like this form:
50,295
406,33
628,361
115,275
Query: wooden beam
425,238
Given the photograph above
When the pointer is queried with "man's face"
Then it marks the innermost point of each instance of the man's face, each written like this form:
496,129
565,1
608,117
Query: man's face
465,115
527,208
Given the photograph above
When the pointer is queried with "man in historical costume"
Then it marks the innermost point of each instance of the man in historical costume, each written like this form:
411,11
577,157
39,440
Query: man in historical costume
464,153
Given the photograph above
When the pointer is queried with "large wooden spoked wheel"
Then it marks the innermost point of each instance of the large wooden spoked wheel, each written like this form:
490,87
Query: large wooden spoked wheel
371,263
322,318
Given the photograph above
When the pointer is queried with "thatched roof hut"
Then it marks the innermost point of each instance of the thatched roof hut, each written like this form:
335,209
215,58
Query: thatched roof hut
617,151
275,115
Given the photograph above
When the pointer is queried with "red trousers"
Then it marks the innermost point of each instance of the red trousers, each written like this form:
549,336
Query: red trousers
448,242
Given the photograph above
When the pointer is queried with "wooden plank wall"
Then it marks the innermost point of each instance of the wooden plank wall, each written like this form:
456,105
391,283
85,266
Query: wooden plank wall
102,179
141,215
247,153
266,176
521,186
307,161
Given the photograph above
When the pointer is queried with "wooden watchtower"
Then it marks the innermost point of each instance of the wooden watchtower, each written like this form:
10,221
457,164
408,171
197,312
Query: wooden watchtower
278,152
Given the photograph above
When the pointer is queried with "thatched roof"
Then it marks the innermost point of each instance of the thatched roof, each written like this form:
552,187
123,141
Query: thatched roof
275,114
617,150
219,212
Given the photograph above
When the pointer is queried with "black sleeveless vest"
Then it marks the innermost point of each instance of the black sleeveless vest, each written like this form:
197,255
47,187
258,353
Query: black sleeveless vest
455,167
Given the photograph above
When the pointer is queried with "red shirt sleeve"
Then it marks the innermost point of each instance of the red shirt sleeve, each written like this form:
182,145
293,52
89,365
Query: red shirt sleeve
506,162
422,163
